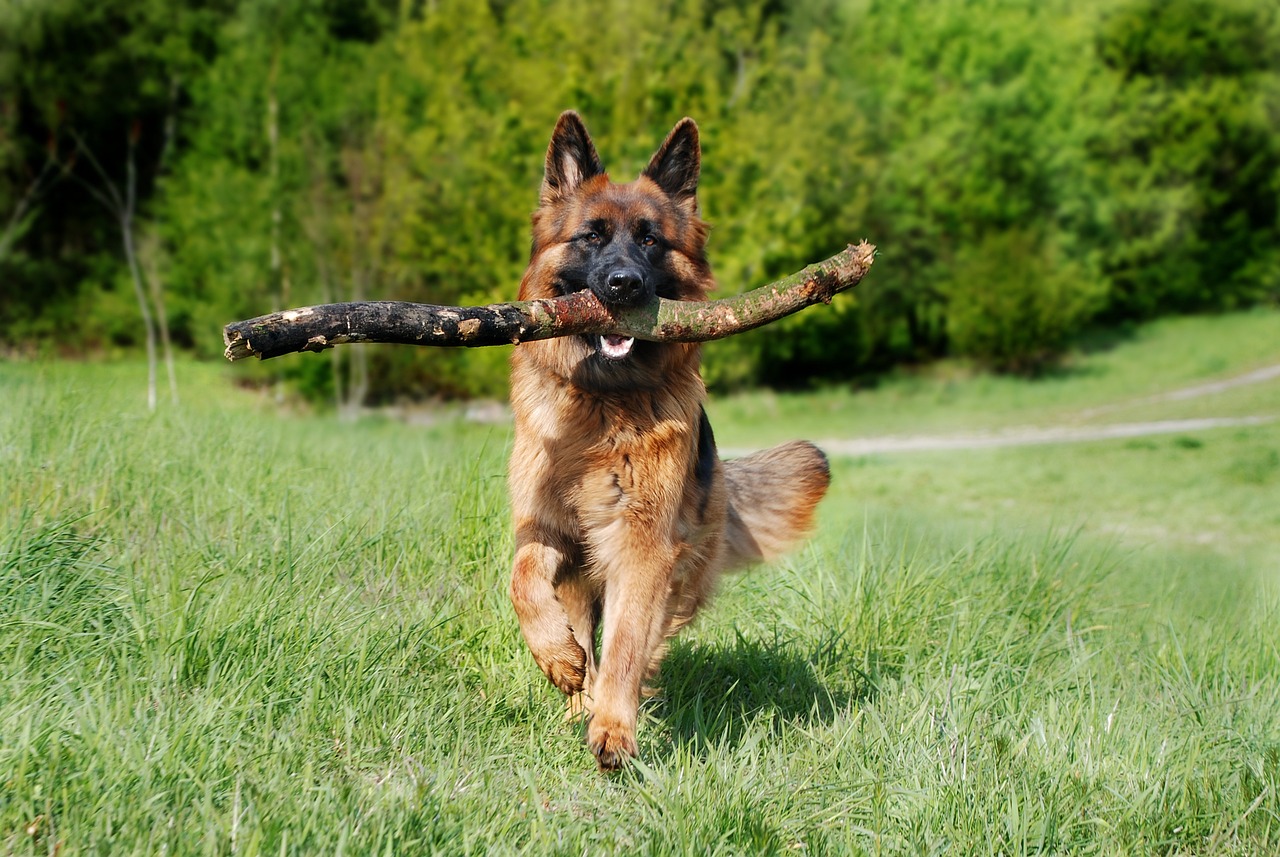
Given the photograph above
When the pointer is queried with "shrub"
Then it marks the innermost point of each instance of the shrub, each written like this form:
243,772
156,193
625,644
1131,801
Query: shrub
1012,303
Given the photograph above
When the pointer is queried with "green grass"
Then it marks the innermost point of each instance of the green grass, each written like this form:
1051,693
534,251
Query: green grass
1113,377
224,630
1214,492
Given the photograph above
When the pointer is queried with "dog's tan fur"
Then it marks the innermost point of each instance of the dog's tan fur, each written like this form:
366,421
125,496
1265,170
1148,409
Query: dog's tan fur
624,515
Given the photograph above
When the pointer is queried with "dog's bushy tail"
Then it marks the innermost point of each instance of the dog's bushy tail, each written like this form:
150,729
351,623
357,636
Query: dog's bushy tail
772,497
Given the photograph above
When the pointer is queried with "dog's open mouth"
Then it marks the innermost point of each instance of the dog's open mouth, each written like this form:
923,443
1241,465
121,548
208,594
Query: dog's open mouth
614,346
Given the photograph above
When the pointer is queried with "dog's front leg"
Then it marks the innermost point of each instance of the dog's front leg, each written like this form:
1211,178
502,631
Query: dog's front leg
543,620
635,601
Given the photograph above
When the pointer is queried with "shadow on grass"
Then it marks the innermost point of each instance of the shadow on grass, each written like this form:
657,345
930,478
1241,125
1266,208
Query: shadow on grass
716,694
1095,340
1098,340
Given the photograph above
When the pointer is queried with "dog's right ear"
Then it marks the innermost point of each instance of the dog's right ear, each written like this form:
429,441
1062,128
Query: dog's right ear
571,158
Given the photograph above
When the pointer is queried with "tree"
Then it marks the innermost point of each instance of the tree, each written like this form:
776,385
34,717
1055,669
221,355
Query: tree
1189,155
122,204
118,102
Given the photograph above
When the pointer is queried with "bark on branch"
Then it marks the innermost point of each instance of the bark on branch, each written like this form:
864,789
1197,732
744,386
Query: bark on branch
319,327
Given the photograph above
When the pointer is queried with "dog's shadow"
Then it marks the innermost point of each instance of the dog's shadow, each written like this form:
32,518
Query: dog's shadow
714,694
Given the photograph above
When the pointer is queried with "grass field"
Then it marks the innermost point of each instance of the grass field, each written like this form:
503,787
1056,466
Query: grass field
228,630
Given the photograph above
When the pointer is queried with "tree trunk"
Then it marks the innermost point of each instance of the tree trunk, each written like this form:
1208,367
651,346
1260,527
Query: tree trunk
149,259
319,327
123,209
126,231
278,282
278,278
18,223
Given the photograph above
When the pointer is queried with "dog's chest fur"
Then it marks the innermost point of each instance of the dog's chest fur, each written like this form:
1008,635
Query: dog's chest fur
643,459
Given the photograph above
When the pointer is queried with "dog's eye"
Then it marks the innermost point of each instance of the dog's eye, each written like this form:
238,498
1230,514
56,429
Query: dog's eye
649,239
591,237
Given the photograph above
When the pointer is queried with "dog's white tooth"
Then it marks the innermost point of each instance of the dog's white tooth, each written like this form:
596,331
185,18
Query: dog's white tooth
615,347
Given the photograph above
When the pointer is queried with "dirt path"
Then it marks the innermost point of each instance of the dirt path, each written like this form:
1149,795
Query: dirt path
481,412
1030,435
1257,376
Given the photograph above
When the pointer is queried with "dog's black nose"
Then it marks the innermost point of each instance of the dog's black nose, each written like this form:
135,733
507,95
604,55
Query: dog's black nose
625,285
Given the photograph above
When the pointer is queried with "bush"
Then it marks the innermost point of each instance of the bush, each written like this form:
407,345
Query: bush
1012,303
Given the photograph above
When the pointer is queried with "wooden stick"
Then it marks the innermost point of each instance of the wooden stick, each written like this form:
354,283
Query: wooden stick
316,328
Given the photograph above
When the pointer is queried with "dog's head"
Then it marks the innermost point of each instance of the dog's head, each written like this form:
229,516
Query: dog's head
624,242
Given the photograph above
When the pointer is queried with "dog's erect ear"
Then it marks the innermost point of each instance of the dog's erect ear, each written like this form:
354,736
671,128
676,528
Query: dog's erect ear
571,158
676,164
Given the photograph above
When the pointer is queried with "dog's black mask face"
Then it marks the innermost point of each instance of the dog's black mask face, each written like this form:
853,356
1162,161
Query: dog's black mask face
622,262
621,255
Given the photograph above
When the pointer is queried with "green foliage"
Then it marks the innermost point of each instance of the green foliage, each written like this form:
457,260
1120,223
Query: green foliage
1114,161
1013,305
1190,154
78,82
975,111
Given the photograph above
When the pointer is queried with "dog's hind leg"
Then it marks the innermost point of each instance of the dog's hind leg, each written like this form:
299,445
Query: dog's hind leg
543,620
580,597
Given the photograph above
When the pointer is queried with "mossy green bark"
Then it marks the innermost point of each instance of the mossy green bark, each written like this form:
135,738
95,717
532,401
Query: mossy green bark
319,327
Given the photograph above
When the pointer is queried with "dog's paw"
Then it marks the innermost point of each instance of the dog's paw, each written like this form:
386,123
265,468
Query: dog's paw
563,663
567,669
612,743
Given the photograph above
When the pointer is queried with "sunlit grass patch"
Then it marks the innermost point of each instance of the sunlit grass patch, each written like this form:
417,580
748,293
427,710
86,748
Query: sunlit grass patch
226,630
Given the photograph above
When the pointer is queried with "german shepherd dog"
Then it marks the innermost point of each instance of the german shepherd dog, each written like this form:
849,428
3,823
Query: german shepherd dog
625,516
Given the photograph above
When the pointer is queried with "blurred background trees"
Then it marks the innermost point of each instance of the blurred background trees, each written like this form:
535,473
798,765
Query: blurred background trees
1028,168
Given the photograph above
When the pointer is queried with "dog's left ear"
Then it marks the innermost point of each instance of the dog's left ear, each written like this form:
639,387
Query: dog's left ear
677,163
